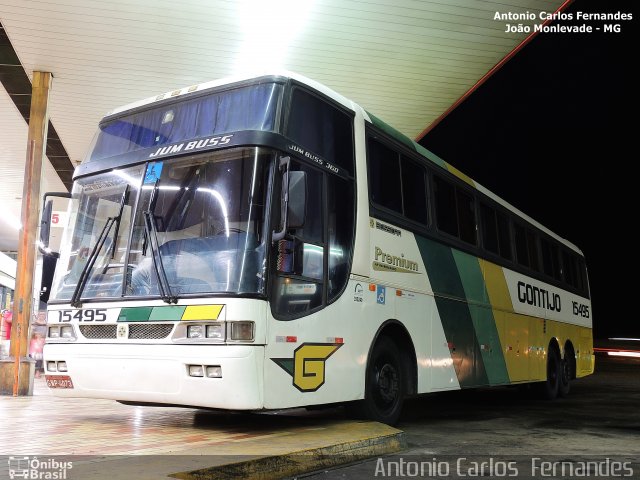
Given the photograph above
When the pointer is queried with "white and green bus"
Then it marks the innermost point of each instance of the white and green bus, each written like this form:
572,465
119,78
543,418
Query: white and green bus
265,243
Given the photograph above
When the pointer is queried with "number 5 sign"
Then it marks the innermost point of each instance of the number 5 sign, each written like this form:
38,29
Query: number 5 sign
58,219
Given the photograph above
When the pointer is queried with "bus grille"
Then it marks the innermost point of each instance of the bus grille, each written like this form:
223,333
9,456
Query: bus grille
137,331
143,331
98,331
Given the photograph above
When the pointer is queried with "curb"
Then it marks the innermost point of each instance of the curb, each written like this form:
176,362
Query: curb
302,461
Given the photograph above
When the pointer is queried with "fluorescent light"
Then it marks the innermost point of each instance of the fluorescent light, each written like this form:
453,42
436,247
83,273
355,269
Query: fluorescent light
269,27
626,339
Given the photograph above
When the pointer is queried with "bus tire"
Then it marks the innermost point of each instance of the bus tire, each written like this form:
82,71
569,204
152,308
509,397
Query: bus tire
566,374
385,384
551,387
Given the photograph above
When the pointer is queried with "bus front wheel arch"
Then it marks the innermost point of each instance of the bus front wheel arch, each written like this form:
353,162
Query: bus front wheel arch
385,384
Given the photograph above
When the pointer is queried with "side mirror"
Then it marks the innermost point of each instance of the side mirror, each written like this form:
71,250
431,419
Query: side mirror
45,225
297,205
45,221
293,200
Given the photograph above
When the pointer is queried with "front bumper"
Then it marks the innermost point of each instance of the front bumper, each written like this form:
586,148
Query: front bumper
159,373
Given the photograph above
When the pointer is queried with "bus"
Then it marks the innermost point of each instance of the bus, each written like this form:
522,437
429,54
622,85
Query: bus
265,243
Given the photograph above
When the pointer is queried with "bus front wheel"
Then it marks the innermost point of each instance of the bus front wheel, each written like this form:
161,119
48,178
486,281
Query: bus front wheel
384,384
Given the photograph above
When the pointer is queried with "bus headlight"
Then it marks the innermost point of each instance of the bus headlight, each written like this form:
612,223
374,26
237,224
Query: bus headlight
242,331
215,331
195,331
54,332
67,332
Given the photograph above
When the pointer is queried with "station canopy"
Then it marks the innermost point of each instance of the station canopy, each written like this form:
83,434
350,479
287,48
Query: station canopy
406,61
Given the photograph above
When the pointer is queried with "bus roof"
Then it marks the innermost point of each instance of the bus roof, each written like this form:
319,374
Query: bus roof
386,128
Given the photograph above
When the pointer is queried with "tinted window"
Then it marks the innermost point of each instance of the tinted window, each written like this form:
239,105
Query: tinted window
532,248
414,192
489,229
318,126
340,197
570,268
248,108
522,256
384,176
445,196
466,217
583,276
550,261
504,235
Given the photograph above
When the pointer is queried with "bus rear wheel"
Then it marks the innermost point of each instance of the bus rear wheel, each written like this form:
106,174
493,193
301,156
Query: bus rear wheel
566,374
551,387
384,384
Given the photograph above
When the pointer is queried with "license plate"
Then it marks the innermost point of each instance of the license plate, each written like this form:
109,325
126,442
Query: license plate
59,381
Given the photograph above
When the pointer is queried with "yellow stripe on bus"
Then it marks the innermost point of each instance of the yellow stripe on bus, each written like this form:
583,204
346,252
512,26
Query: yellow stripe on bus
460,175
525,339
202,312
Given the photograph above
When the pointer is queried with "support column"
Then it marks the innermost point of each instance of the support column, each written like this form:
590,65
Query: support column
16,375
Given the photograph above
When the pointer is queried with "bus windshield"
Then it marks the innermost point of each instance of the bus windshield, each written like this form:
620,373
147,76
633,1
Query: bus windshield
194,225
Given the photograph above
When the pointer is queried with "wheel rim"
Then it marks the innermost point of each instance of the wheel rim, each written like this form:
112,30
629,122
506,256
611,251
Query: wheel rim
386,386
552,370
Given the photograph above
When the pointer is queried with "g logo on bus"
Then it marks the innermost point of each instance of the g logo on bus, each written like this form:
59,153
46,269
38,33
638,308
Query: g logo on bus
307,367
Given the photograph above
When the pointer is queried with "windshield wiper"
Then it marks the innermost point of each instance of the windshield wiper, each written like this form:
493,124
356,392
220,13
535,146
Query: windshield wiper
102,238
161,274
152,207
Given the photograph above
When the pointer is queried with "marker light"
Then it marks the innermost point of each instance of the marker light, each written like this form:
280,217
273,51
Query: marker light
196,371
51,366
62,366
214,371
54,332
242,331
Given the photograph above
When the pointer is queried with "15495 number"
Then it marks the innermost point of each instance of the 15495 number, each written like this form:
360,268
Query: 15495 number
87,315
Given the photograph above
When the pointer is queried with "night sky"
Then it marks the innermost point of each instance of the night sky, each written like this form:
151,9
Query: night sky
552,133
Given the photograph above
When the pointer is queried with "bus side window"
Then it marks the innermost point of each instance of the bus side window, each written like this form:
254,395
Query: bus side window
445,195
522,256
550,263
570,268
384,176
489,229
414,191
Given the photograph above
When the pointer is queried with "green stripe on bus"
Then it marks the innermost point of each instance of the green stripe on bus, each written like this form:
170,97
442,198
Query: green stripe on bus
134,314
172,312
430,155
455,315
482,316
401,137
